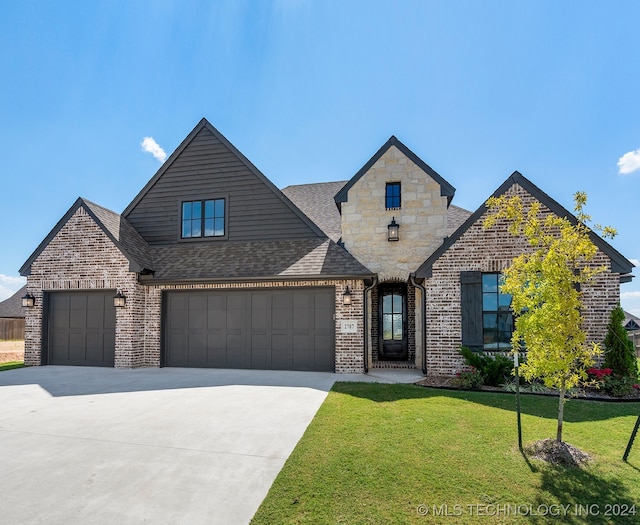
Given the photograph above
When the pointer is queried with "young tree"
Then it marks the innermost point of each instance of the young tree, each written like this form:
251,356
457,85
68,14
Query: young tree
545,284
619,352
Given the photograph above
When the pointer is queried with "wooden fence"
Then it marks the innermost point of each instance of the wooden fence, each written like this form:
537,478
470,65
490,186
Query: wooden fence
11,329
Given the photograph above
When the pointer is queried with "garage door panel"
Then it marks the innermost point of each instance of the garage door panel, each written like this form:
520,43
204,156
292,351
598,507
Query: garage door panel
177,304
77,347
261,329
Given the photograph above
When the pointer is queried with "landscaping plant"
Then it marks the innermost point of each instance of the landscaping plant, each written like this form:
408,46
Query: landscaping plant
545,283
495,370
619,352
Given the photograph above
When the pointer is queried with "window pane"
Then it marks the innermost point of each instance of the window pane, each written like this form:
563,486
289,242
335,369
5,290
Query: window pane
397,304
196,229
505,322
490,282
219,208
208,209
386,328
490,321
397,327
186,210
504,301
490,301
186,229
196,210
218,227
504,338
208,228
386,304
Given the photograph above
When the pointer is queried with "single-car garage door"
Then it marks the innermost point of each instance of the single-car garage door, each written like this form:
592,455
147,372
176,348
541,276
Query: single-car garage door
288,329
81,328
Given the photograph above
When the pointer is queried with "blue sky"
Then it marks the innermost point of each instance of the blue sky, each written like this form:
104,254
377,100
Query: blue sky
309,90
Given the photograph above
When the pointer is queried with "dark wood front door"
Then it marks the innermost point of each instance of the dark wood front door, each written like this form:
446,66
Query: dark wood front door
393,322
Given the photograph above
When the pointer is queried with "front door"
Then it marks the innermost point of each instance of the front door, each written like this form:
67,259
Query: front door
393,322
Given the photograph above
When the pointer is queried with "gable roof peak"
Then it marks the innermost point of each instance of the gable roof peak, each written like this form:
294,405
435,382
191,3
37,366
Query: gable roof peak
619,263
114,226
205,124
446,189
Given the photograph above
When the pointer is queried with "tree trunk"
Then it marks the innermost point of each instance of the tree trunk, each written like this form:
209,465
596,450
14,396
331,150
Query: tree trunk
563,388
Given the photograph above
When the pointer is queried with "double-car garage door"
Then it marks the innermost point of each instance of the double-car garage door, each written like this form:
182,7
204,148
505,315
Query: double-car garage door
284,329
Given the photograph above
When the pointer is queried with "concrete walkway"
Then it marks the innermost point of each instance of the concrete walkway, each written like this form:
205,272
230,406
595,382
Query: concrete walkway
161,446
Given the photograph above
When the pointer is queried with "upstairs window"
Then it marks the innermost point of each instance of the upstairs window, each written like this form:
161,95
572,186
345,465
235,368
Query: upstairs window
392,196
203,218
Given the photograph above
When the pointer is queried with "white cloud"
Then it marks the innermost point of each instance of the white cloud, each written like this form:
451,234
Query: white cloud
635,262
630,302
151,146
10,285
629,162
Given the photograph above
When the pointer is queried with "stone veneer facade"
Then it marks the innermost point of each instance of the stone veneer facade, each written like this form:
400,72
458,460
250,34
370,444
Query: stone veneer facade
422,217
82,257
492,250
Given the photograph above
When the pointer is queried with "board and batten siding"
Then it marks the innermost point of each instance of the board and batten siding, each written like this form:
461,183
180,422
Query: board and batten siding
207,168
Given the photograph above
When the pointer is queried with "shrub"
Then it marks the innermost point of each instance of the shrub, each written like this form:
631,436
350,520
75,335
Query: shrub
494,370
618,386
619,353
599,373
470,379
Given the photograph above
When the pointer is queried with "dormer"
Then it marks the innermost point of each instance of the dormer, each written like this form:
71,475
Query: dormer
394,211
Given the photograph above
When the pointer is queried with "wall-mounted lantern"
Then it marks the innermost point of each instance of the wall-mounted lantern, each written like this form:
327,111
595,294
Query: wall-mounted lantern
346,297
392,234
119,300
28,301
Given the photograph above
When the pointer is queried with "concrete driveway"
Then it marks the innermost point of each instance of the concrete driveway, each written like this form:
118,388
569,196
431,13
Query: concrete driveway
99,445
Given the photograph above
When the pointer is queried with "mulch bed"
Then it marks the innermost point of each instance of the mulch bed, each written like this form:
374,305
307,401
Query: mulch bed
562,453
434,381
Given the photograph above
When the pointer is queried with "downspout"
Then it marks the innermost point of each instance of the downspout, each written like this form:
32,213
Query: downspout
412,280
366,324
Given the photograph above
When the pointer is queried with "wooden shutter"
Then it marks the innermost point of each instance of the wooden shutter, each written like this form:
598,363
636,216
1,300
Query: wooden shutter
471,307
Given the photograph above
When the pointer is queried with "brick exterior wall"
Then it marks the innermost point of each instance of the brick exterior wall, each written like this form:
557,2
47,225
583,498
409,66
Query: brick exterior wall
422,217
82,257
492,251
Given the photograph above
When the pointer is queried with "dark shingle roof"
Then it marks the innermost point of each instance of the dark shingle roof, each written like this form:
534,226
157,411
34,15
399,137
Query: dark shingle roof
316,202
12,307
456,217
303,258
130,240
116,227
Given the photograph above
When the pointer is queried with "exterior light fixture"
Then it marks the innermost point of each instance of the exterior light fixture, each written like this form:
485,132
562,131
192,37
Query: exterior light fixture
392,234
119,300
346,297
28,301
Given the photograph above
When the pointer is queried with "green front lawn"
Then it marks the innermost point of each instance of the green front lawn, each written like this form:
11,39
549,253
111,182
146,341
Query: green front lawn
11,365
389,453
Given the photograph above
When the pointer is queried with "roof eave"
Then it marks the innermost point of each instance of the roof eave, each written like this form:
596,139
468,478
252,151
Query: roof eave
151,281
